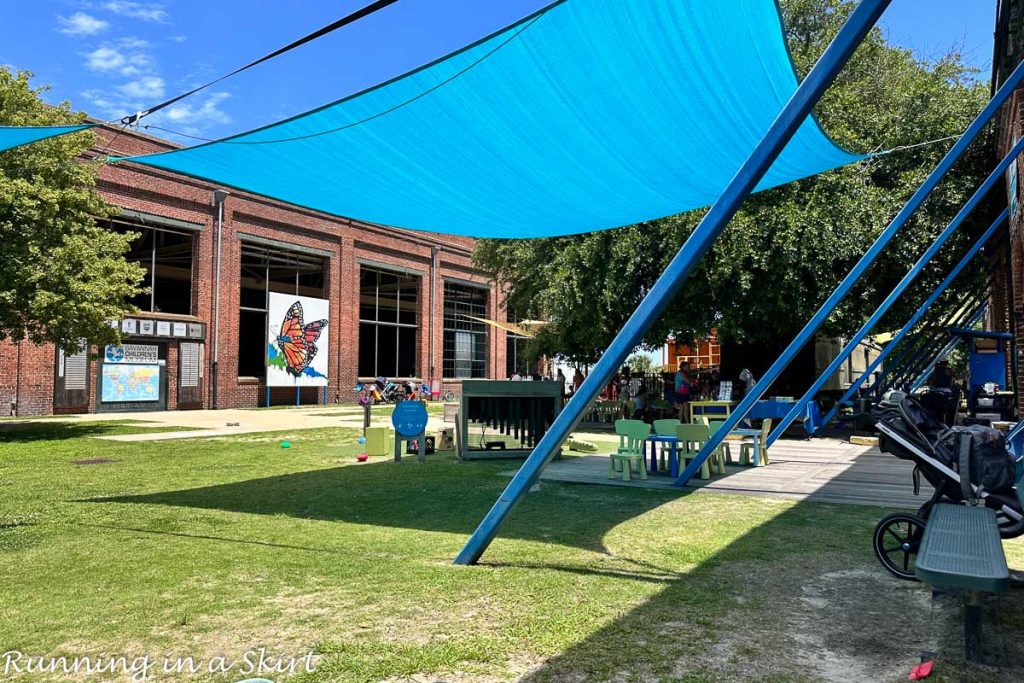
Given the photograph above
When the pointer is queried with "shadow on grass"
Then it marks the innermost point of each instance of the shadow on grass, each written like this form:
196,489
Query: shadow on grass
792,600
435,496
24,432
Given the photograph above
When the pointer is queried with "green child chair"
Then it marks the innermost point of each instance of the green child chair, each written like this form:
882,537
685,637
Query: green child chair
724,447
632,434
691,438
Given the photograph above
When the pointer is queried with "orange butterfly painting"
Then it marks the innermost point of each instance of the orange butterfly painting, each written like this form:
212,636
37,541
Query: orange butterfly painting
298,341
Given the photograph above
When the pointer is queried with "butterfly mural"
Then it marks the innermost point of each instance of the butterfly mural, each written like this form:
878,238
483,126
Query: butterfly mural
297,341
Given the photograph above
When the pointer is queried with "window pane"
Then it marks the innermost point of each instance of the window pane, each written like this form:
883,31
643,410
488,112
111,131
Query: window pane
252,334
387,301
367,350
407,351
387,350
367,294
515,355
408,306
172,286
170,252
253,279
465,335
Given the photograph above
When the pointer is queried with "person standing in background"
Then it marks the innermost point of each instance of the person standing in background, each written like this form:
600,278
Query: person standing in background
682,392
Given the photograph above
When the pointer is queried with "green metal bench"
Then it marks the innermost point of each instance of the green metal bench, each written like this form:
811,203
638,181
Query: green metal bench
961,549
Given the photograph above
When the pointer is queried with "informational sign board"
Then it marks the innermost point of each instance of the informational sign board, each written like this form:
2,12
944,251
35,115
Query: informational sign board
409,418
131,353
297,334
124,383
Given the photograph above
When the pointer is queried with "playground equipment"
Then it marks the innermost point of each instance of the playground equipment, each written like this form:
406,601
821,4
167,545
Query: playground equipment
860,22
821,75
502,419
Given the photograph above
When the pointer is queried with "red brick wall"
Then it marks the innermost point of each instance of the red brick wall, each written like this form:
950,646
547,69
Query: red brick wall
1006,302
156,192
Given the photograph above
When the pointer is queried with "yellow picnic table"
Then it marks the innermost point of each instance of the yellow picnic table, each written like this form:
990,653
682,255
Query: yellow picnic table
711,409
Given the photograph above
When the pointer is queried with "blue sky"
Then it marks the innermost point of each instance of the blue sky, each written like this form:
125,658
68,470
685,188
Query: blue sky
114,57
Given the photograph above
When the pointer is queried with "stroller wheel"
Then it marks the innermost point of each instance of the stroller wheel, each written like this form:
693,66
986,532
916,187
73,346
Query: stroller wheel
897,539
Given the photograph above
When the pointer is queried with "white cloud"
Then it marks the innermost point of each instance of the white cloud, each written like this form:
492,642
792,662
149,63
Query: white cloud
137,10
109,57
131,43
105,58
81,24
198,116
145,88
178,39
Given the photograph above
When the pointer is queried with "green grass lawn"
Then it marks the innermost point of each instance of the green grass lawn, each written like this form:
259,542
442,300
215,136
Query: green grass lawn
219,546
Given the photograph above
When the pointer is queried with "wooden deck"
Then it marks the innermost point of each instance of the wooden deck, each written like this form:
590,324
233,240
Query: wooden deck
824,470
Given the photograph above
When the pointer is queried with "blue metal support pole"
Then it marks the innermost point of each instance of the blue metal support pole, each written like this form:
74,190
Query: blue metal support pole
917,343
923,376
758,390
912,362
799,107
928,333
967,313
933,350
904,367
996,176
914,319
917,340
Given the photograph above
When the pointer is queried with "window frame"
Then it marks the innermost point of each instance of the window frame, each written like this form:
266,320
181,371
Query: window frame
479,367
397,324
296,259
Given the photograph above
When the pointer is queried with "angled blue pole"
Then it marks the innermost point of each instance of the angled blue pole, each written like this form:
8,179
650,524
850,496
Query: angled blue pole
914,319
792,116
913,358
758,390
922,377
917,343
934,350
906,333
967,313
996,176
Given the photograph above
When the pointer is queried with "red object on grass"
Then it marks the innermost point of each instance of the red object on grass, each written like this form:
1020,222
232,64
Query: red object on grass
922,670
362,457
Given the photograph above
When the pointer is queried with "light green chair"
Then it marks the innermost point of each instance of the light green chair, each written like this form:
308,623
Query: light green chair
666,427
724,447
632,434
691,438
756,446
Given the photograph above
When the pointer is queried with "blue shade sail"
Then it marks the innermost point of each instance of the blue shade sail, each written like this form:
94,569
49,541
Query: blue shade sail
592,114
16,136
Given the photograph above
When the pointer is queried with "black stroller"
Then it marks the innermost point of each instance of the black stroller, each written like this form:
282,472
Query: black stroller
911,431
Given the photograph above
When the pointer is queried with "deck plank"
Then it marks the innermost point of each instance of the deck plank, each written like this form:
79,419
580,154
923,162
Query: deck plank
824,470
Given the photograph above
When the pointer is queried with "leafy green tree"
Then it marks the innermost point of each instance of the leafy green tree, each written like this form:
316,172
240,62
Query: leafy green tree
788,247
641,364
62,277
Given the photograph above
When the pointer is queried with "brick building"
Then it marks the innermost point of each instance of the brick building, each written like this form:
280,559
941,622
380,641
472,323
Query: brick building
402,304
1006,303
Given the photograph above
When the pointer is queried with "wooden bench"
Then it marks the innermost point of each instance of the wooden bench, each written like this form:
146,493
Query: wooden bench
961,549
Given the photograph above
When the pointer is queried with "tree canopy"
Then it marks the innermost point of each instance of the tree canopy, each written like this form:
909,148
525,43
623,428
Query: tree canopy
62,276
787,248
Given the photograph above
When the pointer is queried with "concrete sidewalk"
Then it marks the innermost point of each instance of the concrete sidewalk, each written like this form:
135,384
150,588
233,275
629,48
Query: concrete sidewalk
207,423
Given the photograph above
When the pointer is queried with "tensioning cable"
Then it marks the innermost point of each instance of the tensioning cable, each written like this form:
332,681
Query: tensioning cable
329,28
